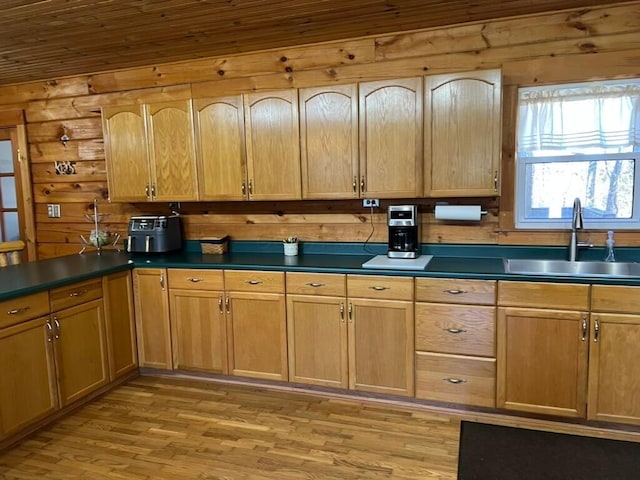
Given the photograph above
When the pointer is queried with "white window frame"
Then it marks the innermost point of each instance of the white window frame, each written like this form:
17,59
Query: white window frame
561,223
521,187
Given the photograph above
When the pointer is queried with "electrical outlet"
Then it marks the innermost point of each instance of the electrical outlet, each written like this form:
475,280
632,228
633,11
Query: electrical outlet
53,210
370,202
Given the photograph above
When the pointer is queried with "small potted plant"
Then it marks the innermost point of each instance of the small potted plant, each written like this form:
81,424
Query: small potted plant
290,246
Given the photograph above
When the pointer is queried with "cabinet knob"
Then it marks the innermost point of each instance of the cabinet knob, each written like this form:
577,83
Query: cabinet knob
78,293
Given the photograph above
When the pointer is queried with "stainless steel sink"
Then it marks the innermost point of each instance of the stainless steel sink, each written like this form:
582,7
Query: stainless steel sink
571,269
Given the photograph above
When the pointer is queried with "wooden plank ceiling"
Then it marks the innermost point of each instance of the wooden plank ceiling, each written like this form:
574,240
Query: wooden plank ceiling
48,39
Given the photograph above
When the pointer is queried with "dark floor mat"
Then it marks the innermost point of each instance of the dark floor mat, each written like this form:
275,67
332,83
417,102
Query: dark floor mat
491,452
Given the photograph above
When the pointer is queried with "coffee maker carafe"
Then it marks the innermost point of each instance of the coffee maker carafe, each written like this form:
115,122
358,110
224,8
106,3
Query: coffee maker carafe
404,231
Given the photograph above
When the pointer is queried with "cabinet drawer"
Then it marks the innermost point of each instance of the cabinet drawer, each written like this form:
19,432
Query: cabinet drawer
24,308
254,281
567,296
196,279
388,288
328,284
75,294
456,379
451,290
615,298
458,329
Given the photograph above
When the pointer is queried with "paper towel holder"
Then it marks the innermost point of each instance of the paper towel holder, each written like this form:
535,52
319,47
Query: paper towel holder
445,211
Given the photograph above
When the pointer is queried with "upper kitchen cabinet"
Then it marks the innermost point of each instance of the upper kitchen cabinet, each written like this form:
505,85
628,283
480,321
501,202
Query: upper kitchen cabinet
220,147
171,151
126,152
273,145
150,152
391,138
329,142
462,134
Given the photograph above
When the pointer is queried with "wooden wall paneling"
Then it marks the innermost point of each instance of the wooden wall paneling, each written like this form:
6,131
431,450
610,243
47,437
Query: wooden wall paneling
52,250
69,192
89,171
74,150
596,66
90,105
26,92
237,66
507,184
77,129
576,27
114,213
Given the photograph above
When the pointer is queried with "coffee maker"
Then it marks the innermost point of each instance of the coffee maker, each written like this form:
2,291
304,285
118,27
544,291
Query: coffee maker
404,231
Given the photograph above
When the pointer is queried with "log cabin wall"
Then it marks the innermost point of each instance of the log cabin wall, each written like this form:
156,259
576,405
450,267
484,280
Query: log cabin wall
563,46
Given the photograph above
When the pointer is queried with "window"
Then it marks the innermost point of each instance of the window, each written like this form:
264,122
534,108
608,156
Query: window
9,207
579,140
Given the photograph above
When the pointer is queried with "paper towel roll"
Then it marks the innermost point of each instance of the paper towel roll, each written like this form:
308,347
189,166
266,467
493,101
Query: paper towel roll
458,212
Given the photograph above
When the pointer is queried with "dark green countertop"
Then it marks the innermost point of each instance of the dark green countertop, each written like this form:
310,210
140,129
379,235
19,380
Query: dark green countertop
449,261
31,277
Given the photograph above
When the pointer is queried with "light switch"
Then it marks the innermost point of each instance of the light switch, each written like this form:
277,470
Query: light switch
53,210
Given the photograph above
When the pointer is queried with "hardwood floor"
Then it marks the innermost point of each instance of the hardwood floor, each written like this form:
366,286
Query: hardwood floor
174,428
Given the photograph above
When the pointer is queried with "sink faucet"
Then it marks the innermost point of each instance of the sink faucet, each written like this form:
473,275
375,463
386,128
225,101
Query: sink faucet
577,223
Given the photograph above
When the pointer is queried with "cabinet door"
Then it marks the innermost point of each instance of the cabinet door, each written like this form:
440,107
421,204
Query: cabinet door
199,333
81,350
317,340
462,134
257,333
329,142
222,163
152,317
614,377
273,145
542,361
391,138
381,346
28,389
171,151
125,149
120,324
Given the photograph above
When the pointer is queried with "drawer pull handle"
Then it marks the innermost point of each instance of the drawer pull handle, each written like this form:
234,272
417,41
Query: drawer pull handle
584,329
596,330
454,292
78,294
379,288
455,381
253,282
17,311
195,280
220,305
315,285
454,330
49,332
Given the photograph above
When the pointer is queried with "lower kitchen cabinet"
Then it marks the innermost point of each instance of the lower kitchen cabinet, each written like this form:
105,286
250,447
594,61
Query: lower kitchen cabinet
543,351
198,323
317,329
255,308
614,349
80,348
456,341
120,324
381,334
28,389
153,329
